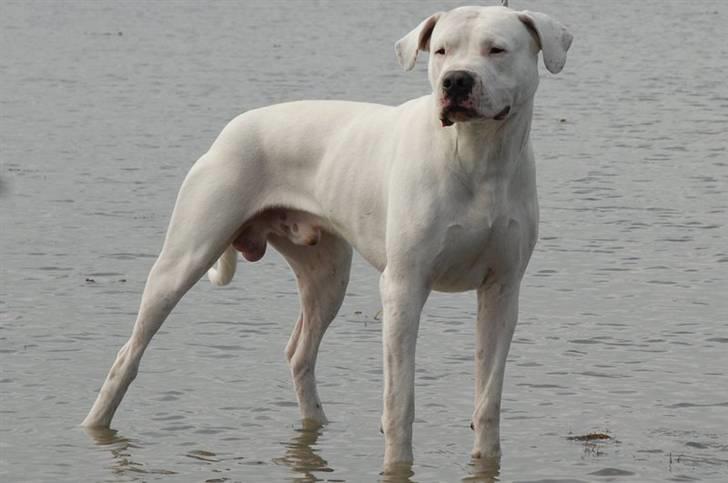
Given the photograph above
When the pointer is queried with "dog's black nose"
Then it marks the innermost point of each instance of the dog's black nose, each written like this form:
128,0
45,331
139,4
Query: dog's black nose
458,83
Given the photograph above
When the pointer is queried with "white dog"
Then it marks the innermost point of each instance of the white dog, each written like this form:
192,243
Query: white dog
438,193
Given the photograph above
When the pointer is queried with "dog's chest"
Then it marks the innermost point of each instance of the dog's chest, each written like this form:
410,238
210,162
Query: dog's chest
490,237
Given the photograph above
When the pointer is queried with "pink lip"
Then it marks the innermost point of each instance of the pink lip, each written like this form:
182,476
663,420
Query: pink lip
449,107
447,103
448,110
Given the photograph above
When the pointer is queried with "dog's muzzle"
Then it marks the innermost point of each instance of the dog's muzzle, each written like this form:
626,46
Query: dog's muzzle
457,100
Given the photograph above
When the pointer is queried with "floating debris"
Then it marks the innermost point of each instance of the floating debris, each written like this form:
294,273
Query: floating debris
590,437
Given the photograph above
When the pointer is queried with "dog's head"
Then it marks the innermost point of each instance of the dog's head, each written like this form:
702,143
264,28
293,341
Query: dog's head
483,60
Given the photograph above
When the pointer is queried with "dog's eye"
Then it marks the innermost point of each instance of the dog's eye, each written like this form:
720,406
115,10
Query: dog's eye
496,50
440,52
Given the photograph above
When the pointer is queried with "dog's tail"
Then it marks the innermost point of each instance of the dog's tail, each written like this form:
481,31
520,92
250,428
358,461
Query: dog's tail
222,272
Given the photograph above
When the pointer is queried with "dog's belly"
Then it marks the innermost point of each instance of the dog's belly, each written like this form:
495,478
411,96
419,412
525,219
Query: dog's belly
300,228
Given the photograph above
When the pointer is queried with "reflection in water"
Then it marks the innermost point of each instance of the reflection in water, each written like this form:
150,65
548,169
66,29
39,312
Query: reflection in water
119,446
301,455
303,459
399,473
121,449
483,470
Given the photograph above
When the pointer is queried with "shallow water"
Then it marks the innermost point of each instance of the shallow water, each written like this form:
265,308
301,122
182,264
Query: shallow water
623,326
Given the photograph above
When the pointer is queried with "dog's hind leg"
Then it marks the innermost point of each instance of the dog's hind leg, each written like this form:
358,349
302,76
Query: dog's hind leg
208,212
322,274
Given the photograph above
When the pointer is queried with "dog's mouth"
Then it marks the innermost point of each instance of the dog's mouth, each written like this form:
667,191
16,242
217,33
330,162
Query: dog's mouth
451,114
502,114
454,113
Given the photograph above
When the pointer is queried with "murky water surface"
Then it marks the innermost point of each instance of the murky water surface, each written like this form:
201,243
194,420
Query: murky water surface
105,105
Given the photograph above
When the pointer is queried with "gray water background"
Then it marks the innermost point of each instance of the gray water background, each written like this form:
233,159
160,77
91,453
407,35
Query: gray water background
105,105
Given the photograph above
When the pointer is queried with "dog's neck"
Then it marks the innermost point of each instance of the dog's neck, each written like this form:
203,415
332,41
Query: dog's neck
484,149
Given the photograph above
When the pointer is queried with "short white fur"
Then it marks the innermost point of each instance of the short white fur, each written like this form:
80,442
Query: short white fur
431,207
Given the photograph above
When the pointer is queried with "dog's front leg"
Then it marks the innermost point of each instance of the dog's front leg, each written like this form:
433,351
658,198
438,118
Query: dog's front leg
497,317
403,295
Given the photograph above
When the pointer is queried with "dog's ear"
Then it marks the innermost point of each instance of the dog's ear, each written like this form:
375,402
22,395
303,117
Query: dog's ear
418,39
553,37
